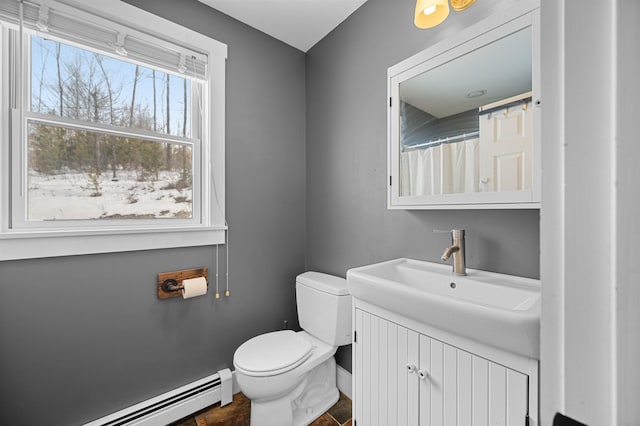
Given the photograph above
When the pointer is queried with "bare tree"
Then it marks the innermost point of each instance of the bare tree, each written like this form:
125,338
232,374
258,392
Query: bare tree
76,93
155,116
41,84
60,84
94,177
133,94
112,119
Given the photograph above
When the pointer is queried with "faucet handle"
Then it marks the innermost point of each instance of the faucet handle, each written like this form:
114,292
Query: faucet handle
456,249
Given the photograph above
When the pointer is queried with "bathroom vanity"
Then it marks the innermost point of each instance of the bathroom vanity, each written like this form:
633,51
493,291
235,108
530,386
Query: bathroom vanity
430,348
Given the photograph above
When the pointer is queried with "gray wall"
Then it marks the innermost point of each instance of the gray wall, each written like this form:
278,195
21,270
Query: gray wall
85,336
348,224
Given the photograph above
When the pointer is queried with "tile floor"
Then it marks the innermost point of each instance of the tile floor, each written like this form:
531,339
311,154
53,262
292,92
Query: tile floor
238,413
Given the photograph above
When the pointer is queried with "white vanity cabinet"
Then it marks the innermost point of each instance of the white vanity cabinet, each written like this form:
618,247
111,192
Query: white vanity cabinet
406,373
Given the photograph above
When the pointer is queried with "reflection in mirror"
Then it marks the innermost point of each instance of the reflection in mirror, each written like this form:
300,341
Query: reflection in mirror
465,126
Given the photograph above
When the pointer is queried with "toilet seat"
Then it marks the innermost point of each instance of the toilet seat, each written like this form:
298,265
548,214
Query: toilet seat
272,353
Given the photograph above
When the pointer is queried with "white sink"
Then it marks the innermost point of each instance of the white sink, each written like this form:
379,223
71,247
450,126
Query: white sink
496,309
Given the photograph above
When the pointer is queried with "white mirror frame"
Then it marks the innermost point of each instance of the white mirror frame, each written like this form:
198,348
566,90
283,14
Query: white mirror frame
523,14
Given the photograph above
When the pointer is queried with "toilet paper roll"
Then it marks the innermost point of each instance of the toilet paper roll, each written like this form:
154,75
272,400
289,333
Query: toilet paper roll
194,287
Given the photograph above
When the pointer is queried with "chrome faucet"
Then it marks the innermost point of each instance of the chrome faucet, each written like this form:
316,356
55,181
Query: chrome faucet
457,250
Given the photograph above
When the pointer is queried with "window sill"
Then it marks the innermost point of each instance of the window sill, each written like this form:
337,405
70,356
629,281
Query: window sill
40,245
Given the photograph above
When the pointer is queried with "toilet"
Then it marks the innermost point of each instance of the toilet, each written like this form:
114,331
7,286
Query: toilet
290,377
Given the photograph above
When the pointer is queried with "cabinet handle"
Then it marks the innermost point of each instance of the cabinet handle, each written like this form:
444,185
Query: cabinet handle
411,368
423,374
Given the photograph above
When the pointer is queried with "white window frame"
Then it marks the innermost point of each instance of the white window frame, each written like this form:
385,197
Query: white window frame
24,242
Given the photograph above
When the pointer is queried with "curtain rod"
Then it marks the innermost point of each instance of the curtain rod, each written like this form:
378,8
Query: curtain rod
502,107
448,139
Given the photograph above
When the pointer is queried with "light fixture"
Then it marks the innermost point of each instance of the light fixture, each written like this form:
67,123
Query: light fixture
460,5
430,13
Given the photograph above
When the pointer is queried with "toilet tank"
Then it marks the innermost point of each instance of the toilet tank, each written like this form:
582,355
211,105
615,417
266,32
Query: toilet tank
324,307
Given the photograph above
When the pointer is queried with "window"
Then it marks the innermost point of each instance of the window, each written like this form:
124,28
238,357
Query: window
113,135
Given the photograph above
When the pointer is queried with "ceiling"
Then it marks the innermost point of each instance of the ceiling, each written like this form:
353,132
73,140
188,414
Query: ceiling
299,23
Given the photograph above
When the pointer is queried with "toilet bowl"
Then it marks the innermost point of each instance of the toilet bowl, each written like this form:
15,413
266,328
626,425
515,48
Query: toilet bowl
290,377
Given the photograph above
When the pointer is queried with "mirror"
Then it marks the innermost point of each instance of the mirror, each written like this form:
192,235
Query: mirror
463,119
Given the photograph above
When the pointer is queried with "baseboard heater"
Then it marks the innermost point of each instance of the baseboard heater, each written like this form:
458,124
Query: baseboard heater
175,404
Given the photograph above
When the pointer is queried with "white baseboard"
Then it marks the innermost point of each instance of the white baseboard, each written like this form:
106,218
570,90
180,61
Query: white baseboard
343,378
170,406
236,386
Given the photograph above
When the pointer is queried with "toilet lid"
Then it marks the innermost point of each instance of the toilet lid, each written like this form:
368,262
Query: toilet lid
272,353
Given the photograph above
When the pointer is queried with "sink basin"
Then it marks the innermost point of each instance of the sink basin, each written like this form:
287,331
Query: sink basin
496,309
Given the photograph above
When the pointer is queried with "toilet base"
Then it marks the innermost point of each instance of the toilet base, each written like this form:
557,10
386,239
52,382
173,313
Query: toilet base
319,395
277,412
308,401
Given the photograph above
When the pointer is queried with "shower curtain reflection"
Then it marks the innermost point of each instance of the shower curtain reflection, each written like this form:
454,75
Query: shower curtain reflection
448,168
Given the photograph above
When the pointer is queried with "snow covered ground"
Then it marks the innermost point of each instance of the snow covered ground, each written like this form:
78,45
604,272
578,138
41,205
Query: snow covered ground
72,196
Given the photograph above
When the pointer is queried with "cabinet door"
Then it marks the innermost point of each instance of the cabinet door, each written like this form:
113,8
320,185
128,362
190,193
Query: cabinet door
403,378
385,382
458,388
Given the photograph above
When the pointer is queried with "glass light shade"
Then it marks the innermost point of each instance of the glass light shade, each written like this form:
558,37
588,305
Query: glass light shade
440,13
460,5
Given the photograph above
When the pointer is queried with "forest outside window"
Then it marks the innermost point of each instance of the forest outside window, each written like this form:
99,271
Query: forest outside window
79,167
108,129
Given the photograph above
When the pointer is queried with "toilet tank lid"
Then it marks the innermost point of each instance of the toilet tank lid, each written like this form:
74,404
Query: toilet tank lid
324,282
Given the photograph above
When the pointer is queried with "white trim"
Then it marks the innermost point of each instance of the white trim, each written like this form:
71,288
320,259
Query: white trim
553,214
32,248
614,212
108,129
343,378
581,244
236,386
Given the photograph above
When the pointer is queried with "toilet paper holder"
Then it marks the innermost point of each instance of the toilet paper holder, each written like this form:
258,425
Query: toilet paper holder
170,283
